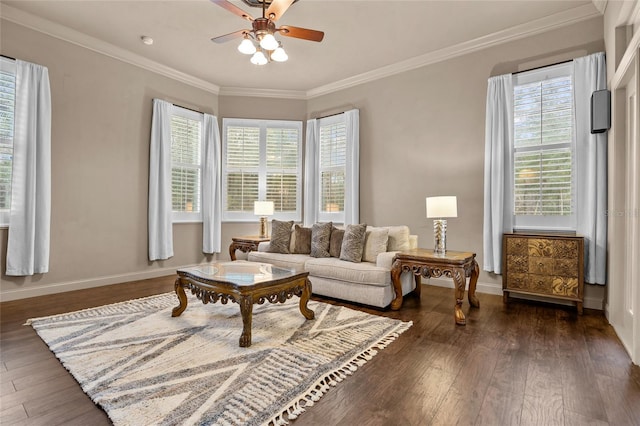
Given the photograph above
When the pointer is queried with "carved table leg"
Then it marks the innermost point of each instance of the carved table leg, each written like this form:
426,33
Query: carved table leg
246,309
232,251
182,297
418,289
473,300
459,280
304,298
396,269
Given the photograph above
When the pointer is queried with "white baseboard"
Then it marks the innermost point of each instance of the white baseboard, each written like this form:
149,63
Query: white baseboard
489,288
44,290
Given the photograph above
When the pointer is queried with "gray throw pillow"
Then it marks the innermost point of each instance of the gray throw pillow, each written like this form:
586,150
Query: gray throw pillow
320,239
302,238
280,236
336,242
353,243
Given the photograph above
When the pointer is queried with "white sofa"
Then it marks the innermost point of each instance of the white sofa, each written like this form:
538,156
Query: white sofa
368,283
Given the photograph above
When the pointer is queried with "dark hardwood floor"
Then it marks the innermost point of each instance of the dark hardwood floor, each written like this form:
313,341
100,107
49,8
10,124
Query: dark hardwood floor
522,364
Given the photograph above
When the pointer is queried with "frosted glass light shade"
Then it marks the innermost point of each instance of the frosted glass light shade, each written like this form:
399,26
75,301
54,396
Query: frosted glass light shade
247,47
263,208
269,42
258,58
438,207
279,55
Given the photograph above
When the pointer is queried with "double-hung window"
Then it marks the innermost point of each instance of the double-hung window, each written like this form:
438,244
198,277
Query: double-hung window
543,149
332,152
7,108
261,161
186,165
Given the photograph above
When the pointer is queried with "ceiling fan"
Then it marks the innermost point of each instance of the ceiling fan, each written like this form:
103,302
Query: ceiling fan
263,31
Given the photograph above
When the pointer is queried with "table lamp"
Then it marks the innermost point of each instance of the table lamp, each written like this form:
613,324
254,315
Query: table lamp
438,208
263,209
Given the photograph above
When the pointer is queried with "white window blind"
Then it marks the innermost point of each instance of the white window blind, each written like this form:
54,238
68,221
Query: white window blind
7,108
186,165
332,168
543,180
262,160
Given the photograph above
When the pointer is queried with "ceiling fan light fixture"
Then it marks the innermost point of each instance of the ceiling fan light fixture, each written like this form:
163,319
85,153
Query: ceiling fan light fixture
269,42
258,58
247,47
279,55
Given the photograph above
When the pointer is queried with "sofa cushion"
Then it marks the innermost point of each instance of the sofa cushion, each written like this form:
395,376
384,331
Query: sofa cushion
302,240
375,242
336,242
353,243
280,236
320,239
290,261
362,273
398,238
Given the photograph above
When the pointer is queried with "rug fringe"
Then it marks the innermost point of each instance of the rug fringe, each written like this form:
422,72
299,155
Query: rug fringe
322,385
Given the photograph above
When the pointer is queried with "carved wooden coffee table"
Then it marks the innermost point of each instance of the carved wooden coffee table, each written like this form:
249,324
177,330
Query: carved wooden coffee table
244,283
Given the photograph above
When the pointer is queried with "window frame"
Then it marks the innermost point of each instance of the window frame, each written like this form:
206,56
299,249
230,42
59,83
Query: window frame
263,170
545,222
8,65
339,216
183,216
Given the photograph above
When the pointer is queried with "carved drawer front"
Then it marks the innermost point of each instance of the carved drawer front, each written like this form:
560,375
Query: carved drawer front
540,265
566,249
540,283
564,286
517,264
540,247
566,267
518,281
517,246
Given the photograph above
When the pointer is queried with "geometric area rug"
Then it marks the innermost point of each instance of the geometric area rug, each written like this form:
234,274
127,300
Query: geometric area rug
144,367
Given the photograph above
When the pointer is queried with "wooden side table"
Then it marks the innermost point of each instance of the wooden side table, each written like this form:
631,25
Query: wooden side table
245,244
425,263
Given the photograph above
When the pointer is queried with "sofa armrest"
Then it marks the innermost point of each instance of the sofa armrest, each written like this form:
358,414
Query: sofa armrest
263,246
413,241
385,260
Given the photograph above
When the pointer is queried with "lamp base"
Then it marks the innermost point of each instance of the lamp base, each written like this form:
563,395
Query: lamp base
264,227
440,236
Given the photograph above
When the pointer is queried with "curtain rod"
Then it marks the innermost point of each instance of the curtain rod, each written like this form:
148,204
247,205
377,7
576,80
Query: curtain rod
330,115
8,57
544,66
190,109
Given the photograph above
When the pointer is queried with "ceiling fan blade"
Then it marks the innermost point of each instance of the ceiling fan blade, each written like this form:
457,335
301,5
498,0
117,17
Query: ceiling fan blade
230,36
277,9
233,9
303,33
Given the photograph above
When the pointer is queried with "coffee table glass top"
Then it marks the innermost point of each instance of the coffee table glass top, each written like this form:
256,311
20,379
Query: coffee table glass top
239,272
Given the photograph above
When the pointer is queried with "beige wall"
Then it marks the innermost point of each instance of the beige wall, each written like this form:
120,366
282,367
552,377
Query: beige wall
422,133
100,149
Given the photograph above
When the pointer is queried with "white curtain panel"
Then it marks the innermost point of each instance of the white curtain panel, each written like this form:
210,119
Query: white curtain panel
211,196
352,178
30,216
589,75
498,197
311,173
160,220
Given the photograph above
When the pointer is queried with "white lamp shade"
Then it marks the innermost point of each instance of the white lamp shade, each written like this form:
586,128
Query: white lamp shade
258,58
269,42
446,206
263,208
279,55
247,47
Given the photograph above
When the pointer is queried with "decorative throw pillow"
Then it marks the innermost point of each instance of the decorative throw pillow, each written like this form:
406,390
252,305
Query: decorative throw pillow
280,236
375,242
336,242
302,238
398,238
353,243
320,239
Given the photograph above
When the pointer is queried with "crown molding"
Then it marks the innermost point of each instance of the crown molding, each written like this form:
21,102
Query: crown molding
76,37
558,20
263,93
601,5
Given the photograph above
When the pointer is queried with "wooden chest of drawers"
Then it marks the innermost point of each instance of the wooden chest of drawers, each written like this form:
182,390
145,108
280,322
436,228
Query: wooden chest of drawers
544,265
